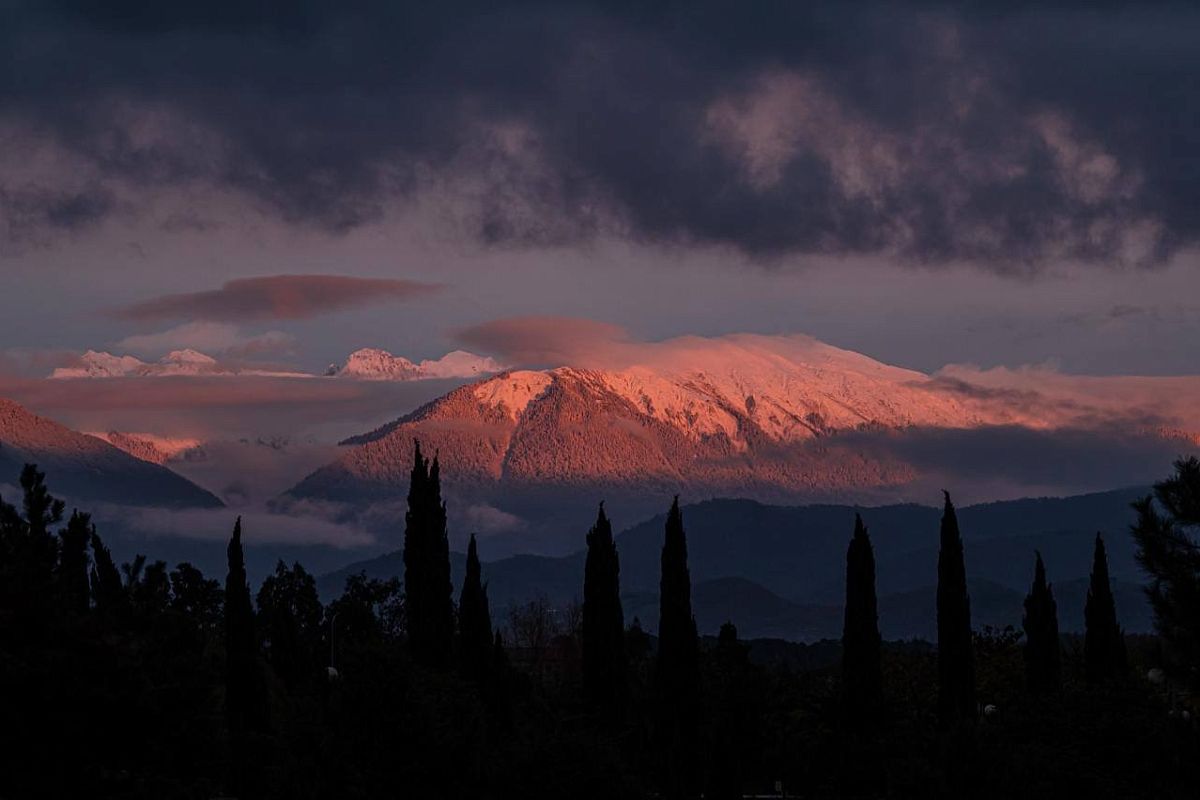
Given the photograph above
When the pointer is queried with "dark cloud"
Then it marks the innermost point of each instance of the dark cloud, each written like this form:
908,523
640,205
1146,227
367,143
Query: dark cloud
35,214
1002,134
275,297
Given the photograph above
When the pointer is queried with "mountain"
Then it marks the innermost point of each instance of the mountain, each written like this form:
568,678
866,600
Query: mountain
777,419
778,571
186,363
731,419
367,364
372,364
83,467
152,447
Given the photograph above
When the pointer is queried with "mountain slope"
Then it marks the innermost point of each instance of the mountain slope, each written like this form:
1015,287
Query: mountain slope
151,447
775,419
734,417
84,467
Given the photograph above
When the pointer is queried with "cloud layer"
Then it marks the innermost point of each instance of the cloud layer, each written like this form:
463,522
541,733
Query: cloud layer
275,297
1004,135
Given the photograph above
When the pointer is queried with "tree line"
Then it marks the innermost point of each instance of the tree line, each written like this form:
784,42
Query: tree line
147,681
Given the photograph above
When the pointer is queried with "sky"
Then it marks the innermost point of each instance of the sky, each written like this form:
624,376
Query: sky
987,185
998,184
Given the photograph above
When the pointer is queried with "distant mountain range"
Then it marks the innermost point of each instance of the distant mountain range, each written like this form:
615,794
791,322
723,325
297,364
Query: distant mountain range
84,467
366,364
778,571
177,363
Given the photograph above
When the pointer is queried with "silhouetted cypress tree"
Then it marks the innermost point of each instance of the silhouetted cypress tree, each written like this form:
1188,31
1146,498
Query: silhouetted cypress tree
956,662
474,619
1042,672
1104,641
108,593
862,680
73,586
427,588
441,603
245,700
605,679
416,553
676,672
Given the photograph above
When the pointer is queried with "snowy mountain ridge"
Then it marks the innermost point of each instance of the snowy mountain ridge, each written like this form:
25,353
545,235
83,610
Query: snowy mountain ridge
374,364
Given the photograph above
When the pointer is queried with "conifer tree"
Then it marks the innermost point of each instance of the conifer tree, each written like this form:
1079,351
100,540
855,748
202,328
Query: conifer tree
862,680
72,576
30,554
604,659
956,661
676,673
108,594
474,619
245,700
1042,661
42,510
1104,641
427,587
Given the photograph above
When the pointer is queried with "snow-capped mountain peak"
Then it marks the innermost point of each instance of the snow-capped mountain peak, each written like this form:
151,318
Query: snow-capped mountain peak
99,364
375,364
765,417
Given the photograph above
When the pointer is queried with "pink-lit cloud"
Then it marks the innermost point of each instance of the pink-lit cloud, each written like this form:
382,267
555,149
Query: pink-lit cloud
275,297
546,341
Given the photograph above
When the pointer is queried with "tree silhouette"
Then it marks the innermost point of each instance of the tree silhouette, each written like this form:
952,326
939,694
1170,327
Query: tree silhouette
245,701
1169,553
604,660
474,619
73,584
1042,661
1103,641
290,621
676,672
862,680
1041,624
30,552
956,662
42,510
199,599
108,594
427,585
735,717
